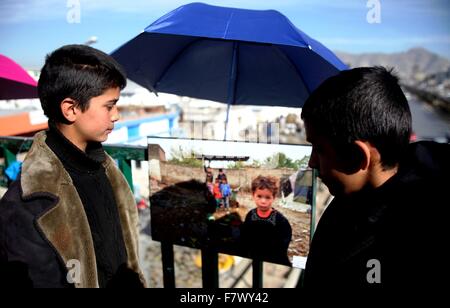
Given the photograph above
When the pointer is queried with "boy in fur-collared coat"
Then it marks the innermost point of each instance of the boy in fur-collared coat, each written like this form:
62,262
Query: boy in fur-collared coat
70,220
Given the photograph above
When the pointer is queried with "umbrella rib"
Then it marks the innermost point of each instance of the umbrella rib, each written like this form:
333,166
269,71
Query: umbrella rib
231,95
228,24
296,69
298,31
175,59
233,74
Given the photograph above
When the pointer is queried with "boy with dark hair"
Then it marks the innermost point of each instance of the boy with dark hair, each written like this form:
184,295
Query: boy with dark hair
221,175
71,219
266,233
378,229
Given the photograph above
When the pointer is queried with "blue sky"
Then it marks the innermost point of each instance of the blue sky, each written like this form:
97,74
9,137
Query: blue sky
29,29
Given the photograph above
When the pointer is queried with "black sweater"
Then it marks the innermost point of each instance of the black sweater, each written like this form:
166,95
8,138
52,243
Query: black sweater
266,239
94,189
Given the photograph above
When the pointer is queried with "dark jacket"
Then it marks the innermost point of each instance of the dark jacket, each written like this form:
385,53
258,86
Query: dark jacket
43,226
397,224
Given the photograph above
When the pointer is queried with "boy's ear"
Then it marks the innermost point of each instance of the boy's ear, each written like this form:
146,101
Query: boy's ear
364,153
68,109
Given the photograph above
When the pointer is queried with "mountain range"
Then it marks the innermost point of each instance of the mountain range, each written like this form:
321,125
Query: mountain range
415,63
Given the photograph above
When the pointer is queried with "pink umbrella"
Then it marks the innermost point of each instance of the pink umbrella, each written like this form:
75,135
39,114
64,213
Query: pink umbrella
15,82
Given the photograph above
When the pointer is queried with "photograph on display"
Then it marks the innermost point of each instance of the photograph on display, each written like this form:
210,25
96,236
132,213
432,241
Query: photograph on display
248,199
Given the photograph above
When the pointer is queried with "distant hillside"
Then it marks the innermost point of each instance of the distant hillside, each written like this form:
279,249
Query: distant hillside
415,63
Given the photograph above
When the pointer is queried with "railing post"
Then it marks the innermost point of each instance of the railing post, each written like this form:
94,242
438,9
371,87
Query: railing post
124,154
125,167
257,274
168,265
9,156
9,159
210,268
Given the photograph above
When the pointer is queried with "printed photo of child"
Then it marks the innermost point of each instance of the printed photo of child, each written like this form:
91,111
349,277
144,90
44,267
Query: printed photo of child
266,233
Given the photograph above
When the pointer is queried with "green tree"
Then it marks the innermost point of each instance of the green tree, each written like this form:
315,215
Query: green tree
185,158
280,160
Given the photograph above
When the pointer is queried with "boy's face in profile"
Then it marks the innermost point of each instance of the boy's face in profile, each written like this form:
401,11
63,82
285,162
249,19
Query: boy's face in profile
334,172
263,199
96,122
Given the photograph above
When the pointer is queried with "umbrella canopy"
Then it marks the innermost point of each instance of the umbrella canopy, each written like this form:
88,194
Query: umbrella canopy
229,55
15,83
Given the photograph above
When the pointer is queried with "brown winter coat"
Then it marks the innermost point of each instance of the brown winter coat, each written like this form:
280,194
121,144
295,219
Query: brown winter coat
64,224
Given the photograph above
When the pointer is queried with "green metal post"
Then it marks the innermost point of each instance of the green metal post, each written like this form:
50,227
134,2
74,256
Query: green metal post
9,159
9,156
125,167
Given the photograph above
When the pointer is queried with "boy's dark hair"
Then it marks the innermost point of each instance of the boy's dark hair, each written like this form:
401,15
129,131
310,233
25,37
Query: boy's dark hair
365,104
79,72
265,182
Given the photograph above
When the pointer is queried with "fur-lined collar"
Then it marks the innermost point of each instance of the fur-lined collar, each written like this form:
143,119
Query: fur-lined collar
65,225
42,164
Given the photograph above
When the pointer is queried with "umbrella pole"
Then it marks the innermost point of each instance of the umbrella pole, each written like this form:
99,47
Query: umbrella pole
231,86
226,121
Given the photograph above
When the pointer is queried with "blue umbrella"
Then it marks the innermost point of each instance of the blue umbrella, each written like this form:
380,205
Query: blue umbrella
229,55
